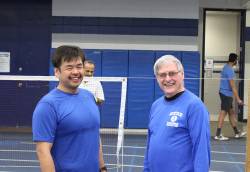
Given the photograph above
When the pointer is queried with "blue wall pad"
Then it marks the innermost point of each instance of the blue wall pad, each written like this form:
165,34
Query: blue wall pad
141,63
114,64
110,110
96,57
140,89
191,64
140,98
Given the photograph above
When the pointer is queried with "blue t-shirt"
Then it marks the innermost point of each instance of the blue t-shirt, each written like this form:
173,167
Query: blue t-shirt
71,122
178,136
227,74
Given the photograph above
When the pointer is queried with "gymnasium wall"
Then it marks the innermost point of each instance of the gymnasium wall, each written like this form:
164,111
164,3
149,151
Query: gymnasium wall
138,31
25,33
125,39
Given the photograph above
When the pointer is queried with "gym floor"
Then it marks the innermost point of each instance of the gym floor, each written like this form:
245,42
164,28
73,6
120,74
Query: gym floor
17,152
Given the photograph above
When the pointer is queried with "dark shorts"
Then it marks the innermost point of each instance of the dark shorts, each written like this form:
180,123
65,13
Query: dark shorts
226,102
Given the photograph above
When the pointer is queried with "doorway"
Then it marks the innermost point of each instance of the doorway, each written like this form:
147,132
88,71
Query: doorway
223,33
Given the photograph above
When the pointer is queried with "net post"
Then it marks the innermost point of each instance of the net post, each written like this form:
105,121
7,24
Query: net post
121,124
247,167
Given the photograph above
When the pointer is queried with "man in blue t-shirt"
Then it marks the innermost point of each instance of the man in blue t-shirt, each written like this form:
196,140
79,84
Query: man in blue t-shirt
66,121
226,92
178,130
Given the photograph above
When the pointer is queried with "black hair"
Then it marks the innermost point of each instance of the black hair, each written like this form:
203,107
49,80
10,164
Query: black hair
89,61
232,57
66,53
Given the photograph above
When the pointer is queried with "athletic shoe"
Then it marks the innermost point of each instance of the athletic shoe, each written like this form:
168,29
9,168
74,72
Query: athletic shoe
221,138
240,134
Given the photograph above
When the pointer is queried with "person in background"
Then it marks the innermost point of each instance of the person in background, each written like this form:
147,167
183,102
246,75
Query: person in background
95,87
66,121
178,131
227,91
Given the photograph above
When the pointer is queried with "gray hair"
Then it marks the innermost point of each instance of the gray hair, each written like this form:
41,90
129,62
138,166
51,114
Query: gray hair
165,60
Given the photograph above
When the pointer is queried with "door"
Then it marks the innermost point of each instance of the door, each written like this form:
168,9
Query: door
222,36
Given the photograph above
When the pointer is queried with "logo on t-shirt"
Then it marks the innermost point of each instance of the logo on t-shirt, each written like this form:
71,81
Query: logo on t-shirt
173,118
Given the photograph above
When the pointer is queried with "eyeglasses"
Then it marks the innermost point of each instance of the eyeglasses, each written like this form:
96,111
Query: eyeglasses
169,74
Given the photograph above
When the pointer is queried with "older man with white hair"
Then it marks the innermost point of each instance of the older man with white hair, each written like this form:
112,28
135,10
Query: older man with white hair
178,130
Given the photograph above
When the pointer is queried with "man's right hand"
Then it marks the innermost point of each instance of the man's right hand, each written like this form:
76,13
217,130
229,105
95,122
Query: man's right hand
240,102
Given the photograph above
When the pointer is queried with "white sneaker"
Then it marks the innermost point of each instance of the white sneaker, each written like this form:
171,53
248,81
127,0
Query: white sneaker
221,138
240,134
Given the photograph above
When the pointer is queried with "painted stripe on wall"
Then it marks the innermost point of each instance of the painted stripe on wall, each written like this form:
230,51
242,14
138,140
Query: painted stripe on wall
248,18
127,42
125,26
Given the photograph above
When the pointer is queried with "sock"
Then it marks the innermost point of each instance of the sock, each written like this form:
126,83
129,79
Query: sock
218,131
236,131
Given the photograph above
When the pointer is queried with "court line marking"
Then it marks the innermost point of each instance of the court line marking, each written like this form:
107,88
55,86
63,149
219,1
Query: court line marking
20,150
234,153
28,143
141,156
143,147
229,162
125,165
216,152
33,151
17,166
127,155
19,160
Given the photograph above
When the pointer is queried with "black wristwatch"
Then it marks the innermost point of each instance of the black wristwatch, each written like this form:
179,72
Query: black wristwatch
103,168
